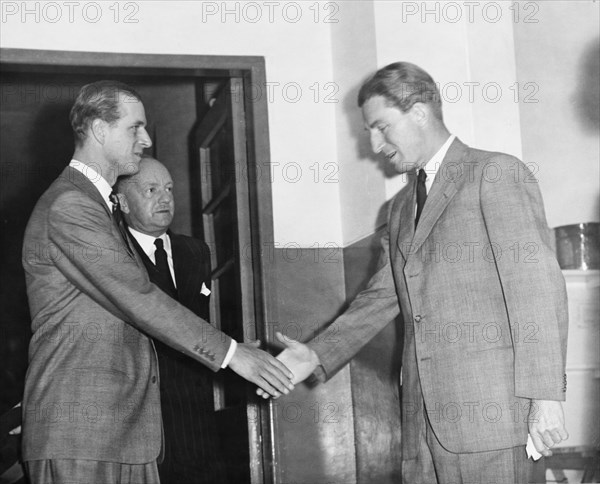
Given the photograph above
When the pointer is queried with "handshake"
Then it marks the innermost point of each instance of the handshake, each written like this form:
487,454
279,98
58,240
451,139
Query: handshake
274,376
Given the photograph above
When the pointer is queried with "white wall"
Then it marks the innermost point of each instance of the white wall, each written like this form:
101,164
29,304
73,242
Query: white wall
491,44
296,45
362,183
514,77
468,55
560,55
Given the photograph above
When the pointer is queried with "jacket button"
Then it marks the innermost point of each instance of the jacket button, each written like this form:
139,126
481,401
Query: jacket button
153,379
418,318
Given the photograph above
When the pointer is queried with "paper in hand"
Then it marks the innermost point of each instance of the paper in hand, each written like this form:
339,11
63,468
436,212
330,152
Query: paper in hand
531,450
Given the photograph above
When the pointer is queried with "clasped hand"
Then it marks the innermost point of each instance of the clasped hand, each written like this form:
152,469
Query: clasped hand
259,367
298,357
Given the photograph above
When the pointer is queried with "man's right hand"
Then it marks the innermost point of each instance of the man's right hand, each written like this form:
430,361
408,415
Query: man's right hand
546,425
298,357
260,368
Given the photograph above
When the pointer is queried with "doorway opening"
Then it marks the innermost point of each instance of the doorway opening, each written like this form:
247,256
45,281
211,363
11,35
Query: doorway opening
214,140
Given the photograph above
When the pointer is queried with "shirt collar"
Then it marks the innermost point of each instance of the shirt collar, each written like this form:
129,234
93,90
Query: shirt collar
147,242
97,180
433,165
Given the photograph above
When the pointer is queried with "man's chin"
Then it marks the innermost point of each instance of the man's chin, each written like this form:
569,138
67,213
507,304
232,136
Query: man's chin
164,220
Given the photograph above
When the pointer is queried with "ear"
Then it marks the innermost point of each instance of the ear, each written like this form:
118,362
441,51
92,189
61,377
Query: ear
98,129
123,202
420,113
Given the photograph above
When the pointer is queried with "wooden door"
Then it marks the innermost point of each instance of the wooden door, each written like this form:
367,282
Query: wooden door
222,217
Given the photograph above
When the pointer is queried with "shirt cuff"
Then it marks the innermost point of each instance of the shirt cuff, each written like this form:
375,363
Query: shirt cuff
229,355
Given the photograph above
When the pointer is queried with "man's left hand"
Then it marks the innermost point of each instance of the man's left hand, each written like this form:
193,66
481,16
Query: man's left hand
546,425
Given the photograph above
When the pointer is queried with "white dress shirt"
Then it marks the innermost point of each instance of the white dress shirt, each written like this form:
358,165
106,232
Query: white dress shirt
433,165
147,244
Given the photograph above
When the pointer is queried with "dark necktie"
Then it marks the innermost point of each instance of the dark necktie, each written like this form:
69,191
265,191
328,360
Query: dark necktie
421,194
117,216
162,265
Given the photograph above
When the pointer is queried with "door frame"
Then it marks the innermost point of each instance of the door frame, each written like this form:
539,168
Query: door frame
253,72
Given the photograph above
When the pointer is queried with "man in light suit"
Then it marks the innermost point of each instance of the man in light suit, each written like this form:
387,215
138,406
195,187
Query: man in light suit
467,260
91,406
192,451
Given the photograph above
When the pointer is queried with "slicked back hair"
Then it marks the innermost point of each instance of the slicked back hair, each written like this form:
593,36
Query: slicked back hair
98,100
402,84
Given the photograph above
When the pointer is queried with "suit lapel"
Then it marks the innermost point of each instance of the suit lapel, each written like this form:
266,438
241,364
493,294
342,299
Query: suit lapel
448,180
145,260
85,185
188,269
405,217
119,222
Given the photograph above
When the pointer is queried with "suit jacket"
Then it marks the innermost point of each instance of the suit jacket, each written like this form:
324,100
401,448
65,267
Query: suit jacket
192,447
482,298
91,389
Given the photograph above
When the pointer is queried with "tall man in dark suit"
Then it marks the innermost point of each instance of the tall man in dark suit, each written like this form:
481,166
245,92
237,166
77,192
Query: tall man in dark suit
91,407
467,259
146,202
